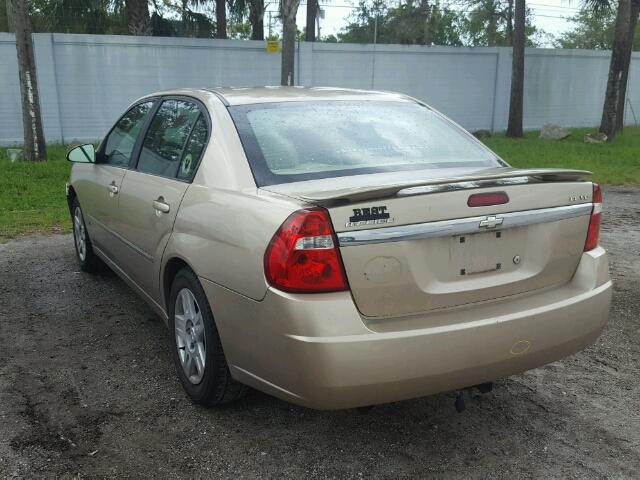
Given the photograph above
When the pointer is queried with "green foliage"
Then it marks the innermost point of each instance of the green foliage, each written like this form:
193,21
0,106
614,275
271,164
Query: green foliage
32,195
410,22
195,24
480,23
329,39
170,18
78,16
615,163
593,30
4,17
239,30
489,23
424,22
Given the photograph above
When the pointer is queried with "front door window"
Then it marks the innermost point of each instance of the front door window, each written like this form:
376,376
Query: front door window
120,142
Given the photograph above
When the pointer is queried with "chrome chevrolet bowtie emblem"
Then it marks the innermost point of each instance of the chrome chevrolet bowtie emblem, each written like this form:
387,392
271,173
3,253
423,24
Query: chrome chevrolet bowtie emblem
491,222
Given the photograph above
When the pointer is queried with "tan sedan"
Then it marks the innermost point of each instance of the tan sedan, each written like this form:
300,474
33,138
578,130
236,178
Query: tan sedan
337,248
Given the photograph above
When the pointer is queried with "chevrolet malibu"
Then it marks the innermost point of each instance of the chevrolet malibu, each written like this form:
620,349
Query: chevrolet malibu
337,248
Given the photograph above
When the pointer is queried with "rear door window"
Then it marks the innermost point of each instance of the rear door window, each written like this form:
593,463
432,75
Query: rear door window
164,146
194,148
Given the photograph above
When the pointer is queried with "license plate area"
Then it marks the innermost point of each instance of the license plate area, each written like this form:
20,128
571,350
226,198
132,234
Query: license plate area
484,252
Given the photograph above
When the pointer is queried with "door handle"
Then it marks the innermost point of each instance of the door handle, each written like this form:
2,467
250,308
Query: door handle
113,189
161,206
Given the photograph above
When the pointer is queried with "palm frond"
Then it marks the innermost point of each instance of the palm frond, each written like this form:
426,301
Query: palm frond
599,7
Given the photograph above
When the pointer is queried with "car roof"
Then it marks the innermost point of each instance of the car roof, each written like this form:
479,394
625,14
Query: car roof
250,95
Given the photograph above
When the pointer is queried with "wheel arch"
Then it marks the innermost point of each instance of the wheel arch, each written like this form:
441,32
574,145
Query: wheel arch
71,196
171,267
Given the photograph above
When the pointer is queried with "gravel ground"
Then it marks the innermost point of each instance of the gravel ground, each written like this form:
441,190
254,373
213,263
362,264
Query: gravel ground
87,389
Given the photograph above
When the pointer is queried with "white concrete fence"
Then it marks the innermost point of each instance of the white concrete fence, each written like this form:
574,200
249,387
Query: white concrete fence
86,81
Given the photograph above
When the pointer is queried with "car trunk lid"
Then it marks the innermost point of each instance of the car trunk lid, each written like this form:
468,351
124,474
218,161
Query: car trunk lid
418,246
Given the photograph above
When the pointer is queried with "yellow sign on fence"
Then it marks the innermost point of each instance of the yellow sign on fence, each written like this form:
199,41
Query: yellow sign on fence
273,46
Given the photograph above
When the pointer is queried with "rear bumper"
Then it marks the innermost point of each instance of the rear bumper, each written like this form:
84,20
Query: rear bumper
317,351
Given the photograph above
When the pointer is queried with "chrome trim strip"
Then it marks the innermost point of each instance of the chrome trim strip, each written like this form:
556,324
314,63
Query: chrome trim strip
132,246
460,226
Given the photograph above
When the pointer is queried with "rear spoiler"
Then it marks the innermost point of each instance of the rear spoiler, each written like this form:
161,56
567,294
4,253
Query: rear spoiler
480,179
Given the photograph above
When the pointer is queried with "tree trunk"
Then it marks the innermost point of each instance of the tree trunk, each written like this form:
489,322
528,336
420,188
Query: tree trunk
426,31
289,11
312,12
138,18
221,19
514,129
510,23
633,22
34,145
185,7
492,26
256,17
616,67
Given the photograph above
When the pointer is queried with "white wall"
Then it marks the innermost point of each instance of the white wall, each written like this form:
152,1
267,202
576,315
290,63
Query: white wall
87,80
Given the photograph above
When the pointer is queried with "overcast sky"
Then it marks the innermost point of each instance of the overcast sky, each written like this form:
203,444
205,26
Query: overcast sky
549,15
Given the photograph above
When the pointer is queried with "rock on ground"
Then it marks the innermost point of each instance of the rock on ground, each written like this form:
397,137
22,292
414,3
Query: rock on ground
554,132
597,137
482,134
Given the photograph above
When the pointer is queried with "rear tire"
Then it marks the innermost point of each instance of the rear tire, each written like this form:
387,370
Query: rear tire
197,351
87,259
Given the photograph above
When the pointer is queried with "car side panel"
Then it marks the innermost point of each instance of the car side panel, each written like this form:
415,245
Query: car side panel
143,230
99,206
225,222
223,234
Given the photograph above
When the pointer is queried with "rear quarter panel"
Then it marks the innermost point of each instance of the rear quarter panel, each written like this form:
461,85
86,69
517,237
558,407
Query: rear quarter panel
225,222
223,234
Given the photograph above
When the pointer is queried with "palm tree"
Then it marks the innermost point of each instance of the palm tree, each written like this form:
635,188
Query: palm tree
312,13
221,19
289,9
34,145
516,104
626,21
256,17
196,24
633,23
137,17
256,8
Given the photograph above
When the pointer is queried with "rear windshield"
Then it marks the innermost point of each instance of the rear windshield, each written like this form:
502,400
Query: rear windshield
296,141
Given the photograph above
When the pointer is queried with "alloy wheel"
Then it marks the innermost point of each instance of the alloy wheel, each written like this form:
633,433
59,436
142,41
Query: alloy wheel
80,234
190,335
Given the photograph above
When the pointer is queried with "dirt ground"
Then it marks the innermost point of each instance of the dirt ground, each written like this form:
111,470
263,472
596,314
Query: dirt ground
87,389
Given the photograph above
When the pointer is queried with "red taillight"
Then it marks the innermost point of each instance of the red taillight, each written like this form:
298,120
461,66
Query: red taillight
593,233
487,199
303,255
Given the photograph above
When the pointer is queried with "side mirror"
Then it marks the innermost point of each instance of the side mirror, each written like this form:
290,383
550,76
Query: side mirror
82,154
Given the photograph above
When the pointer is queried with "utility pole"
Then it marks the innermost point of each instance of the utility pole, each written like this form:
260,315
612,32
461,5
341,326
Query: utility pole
34,145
